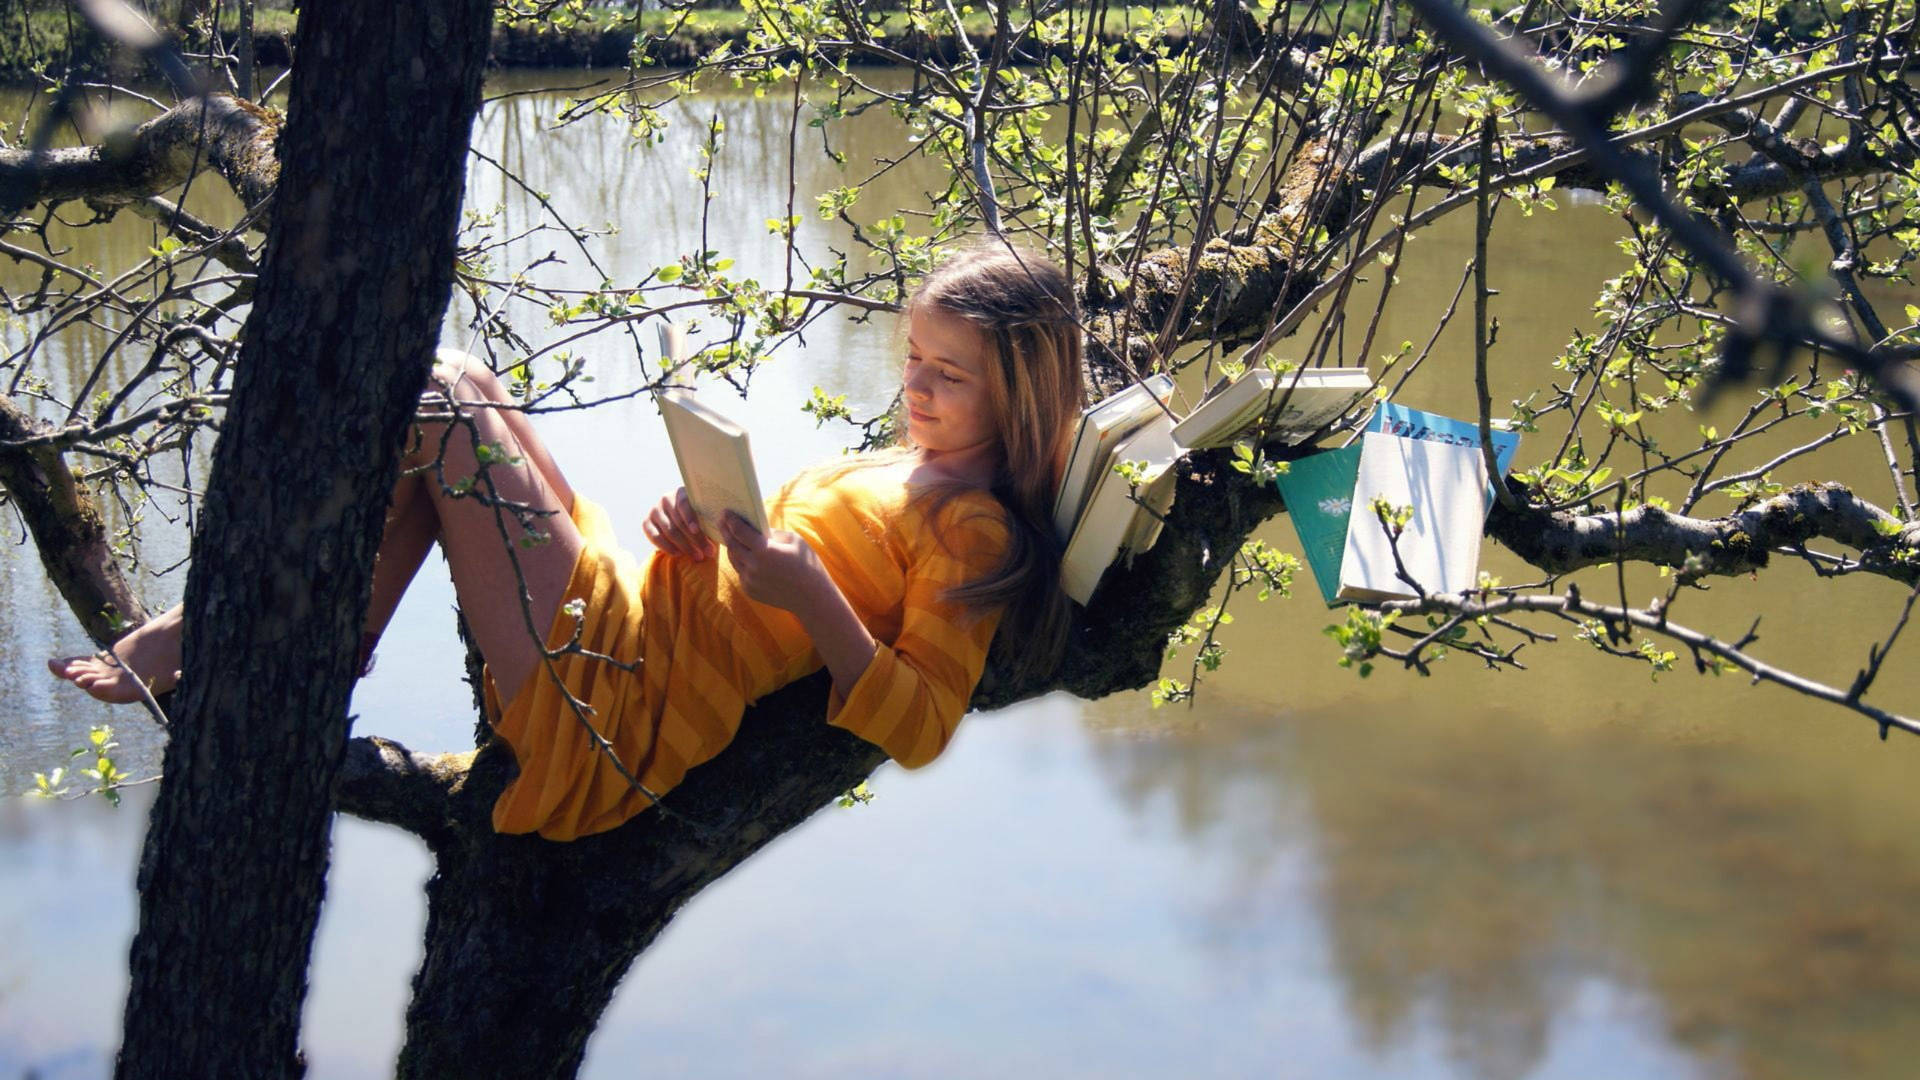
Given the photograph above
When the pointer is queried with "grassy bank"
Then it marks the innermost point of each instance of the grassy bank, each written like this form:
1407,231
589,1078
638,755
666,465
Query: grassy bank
36,43
46,42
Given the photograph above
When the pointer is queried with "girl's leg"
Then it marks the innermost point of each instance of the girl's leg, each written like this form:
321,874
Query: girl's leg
151,653
470,380
412,521
410,531
423,508
506,530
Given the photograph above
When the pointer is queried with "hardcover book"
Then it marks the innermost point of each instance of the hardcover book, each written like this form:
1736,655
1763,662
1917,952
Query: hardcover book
716,461
1101,428
1319,495
1152,501
1108,523
1445,485
1293,404
1409,423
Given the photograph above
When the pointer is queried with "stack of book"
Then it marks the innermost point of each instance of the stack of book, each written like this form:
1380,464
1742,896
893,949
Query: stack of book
1119,480
1411,459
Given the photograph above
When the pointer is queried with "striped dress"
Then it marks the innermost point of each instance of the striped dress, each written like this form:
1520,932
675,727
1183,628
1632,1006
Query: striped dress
686,650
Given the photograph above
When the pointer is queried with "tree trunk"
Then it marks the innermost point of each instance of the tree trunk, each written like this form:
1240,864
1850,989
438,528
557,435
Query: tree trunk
527,939
354,284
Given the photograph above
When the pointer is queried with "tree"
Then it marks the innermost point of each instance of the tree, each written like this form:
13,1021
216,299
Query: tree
1213,177
346,303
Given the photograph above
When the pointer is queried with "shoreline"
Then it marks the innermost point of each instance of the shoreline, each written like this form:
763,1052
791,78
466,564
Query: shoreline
544,46
538,48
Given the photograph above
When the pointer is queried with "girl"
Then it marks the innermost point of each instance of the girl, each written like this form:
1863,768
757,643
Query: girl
892,570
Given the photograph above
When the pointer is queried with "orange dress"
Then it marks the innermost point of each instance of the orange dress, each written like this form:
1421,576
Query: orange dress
685,650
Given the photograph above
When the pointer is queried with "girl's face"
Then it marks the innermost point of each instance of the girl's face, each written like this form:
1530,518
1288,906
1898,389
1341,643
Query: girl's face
945,384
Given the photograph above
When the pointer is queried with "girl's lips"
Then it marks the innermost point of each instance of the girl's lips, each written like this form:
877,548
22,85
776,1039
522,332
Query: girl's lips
916,414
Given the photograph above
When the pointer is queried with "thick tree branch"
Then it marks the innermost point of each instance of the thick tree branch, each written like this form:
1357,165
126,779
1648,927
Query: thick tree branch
553,926
67,529
1739,543
380,780
352,293
233,136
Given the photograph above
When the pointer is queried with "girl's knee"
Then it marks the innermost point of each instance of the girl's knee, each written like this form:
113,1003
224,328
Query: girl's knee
453,370
458,379
461,378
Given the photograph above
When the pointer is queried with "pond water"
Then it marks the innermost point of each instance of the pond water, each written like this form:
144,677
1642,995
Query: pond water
1570,871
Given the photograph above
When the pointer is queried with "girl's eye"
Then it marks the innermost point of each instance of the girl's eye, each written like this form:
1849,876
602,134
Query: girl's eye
948,377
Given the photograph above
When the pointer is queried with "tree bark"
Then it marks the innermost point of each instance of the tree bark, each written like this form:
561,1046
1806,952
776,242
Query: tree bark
67,529
354,283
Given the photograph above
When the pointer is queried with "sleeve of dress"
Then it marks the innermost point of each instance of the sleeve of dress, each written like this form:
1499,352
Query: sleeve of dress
915,690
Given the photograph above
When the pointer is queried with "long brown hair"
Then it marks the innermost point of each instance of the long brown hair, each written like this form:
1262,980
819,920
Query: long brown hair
1024,308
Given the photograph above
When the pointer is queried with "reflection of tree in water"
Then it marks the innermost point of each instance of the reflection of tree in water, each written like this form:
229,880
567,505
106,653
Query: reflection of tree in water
1476,872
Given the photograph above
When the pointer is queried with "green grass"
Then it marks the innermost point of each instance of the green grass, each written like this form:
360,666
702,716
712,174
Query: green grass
725,20
46,36
39,38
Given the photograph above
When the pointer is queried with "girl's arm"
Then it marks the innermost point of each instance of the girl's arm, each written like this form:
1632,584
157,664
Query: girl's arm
907,697
779,569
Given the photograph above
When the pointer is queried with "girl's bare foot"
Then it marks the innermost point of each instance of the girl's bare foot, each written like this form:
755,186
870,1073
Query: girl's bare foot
150,654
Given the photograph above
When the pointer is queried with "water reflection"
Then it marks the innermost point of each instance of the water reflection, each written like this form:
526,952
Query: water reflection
1480,871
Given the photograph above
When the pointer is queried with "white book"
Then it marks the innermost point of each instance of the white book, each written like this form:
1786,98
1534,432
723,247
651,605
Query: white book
1108,521
1154,501
1102,426
716,461
1295,404
1440,547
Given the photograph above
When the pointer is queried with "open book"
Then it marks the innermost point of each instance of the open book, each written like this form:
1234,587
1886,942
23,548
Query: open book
1102,426
1326,499
716,463
1293,404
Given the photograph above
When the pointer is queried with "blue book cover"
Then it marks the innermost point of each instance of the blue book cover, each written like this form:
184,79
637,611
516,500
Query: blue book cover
1410,423
1319,495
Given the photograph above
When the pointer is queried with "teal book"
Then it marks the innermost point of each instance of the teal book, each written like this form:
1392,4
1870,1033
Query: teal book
1319,495
1409,423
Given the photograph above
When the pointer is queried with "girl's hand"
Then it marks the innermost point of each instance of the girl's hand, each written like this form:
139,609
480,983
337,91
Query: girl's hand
675,529
776,568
